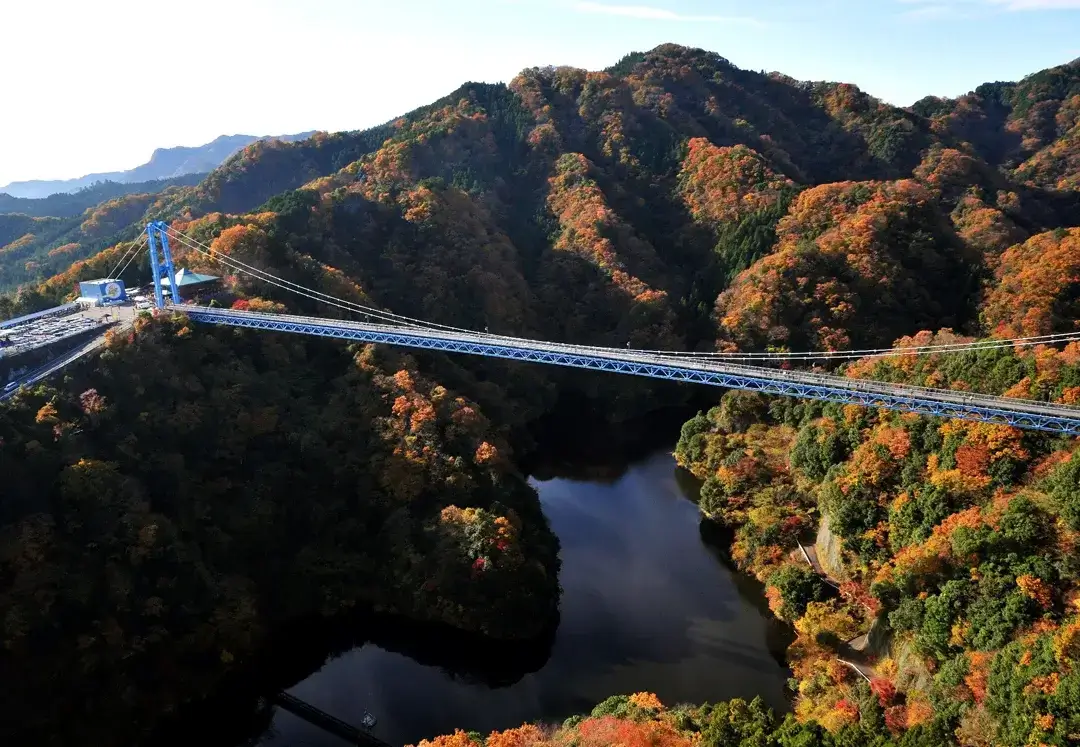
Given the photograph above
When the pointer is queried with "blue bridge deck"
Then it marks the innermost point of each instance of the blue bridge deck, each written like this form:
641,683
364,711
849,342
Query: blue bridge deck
944,403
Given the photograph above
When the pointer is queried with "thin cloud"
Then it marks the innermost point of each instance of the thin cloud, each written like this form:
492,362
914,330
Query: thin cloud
928,11
968,8
649,13
1038,4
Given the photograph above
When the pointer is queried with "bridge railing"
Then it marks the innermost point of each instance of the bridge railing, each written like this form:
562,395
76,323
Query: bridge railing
830,381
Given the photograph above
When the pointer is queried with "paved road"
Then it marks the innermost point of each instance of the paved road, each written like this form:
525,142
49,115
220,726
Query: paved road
39,334
53,366
853,652
125,313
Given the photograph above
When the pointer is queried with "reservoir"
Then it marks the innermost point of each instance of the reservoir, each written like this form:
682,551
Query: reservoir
647,605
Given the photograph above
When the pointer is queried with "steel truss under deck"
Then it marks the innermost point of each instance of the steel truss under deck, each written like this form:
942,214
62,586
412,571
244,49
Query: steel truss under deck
947,404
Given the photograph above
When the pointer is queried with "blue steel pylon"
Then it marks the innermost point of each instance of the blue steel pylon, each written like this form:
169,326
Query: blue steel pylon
161,264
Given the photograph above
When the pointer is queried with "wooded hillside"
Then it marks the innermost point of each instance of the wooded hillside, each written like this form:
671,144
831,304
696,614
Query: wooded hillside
673,201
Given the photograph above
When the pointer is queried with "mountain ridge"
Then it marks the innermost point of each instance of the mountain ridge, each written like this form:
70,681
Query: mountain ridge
683,204
164,163
71,204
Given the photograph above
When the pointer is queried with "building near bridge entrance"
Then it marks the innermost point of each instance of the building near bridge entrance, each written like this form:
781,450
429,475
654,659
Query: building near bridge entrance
187,279
192,285
102,292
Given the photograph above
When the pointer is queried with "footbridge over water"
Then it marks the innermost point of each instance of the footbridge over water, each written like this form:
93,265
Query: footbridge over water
756,372
731,375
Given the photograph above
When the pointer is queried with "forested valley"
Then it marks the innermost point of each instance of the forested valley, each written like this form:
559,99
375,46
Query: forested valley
169,505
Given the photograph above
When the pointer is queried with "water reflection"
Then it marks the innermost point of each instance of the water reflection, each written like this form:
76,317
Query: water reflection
646,605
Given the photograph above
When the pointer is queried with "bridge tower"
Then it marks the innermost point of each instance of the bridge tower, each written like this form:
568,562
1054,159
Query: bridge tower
161,263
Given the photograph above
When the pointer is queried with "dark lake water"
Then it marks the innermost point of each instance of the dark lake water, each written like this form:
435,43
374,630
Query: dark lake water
647,604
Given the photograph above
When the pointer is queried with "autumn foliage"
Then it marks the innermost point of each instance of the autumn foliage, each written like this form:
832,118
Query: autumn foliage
953,536
592,230
726,184
842,250
1036,286
641,720
673,202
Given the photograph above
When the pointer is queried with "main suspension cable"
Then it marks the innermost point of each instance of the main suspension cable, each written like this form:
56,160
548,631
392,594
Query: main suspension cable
316,295
989,344
133,257
793,356
136,246
217,257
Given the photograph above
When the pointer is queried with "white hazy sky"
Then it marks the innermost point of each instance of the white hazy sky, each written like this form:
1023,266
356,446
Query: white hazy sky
96,85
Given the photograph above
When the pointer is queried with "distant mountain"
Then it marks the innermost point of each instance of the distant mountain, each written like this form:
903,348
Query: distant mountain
165,163
71,204
674,203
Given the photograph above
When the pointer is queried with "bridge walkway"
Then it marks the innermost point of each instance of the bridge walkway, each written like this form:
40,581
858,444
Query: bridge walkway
806,384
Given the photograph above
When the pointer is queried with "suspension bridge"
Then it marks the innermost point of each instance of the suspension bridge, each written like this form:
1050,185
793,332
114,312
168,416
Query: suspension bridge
746,371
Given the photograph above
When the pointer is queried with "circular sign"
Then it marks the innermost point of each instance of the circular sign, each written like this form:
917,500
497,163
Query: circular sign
112,290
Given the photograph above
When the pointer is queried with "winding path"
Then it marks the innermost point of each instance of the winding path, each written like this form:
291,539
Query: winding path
854,648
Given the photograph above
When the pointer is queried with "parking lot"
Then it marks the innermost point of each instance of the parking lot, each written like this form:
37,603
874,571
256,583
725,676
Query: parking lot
39,333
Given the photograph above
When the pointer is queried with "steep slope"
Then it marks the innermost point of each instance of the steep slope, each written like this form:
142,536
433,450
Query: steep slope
856,265
1038,287
191,490
52,244
1008,124
677,202
615,208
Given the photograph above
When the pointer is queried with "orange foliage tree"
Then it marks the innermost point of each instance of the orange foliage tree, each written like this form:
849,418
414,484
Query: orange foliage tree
721,185
840,273
1035,291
